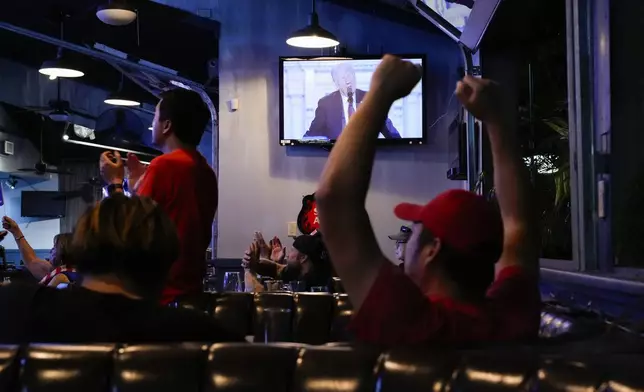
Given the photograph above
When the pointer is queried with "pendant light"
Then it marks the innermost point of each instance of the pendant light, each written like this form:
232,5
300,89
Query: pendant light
313,35
116,13
120,98
59,67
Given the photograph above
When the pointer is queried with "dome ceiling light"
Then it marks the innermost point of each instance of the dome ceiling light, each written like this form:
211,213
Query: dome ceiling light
116,13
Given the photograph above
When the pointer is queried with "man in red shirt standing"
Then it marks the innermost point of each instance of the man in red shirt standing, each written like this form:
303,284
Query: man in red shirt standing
448,291
180,181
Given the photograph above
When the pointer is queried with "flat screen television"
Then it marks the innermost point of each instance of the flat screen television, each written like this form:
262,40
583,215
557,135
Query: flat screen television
42,204
464,21
318,94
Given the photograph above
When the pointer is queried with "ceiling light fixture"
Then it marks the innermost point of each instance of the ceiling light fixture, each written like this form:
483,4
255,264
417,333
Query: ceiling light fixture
116,13
119,98
59,115
59,68
313,35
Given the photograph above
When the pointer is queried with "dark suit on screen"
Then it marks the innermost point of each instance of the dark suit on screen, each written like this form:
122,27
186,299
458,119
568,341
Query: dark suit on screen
329,118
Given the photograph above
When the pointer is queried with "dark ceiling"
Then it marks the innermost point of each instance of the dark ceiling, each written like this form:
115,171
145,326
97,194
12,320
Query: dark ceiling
162,37
30,28
517,24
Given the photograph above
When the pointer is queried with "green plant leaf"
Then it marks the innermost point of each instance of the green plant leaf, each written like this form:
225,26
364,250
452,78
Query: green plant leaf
559,125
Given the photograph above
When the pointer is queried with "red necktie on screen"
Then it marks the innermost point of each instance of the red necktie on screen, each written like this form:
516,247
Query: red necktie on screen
351,109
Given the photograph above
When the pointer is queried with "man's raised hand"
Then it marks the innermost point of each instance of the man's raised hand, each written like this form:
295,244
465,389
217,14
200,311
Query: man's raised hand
395,78
482,98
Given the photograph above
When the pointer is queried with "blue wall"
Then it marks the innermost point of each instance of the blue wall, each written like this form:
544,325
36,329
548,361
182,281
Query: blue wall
13,255
261,182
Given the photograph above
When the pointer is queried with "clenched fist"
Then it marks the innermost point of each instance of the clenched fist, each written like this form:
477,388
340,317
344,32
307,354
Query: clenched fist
482,98
395,78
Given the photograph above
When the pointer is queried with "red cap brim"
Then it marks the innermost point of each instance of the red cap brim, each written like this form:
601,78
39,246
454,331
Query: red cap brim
408,212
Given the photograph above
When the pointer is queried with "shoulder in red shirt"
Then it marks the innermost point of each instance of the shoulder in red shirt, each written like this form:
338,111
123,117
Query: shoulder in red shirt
185,186
397,312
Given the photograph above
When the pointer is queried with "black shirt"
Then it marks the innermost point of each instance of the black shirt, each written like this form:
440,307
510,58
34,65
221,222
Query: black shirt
31,313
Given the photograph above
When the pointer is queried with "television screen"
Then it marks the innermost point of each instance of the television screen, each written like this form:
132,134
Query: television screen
42,204
464,21
455,12
318,95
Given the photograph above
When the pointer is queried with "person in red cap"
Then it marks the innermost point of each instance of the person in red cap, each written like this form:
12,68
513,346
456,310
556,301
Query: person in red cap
448,291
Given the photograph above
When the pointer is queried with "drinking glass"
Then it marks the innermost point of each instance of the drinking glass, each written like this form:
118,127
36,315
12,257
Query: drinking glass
209,284
297,286
232,281
210,281
337,286
277,325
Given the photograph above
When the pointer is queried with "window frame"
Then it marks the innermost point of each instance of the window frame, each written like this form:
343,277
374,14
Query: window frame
588,47
588,70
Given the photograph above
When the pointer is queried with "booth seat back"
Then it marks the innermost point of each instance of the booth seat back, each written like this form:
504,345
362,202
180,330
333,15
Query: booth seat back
318,318
284,367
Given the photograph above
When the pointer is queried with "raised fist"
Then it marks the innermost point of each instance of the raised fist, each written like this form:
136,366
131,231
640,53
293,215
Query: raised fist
395,77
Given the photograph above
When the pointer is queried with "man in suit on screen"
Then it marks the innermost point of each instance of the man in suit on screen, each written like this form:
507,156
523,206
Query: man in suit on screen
335,109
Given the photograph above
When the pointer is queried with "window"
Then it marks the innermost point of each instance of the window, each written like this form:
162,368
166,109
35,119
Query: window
543,128
623,174
538,85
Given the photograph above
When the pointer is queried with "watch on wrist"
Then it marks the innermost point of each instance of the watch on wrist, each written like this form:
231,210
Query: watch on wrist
113,188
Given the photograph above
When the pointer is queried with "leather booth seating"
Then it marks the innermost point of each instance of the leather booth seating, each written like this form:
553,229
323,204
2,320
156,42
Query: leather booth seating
290,367
314,318
319,318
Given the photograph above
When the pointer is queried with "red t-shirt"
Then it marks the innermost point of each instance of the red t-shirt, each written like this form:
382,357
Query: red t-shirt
185,186
397,312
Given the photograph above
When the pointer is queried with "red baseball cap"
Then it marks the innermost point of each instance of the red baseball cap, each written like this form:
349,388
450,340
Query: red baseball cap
464,221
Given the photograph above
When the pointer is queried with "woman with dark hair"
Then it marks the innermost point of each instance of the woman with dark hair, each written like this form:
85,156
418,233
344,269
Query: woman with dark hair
124,248
64,267
59,269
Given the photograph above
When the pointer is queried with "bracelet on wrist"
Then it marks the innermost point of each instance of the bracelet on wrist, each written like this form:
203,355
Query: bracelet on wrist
22,237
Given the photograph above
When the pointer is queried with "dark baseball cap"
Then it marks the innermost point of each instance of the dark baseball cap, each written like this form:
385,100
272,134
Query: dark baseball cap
312,246
402,236
466,222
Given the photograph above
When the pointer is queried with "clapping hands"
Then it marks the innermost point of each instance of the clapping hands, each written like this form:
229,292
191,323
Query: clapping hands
259,249
111,167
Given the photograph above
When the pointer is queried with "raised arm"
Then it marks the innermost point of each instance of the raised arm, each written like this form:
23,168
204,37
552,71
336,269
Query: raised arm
483,99
38,267
343,186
